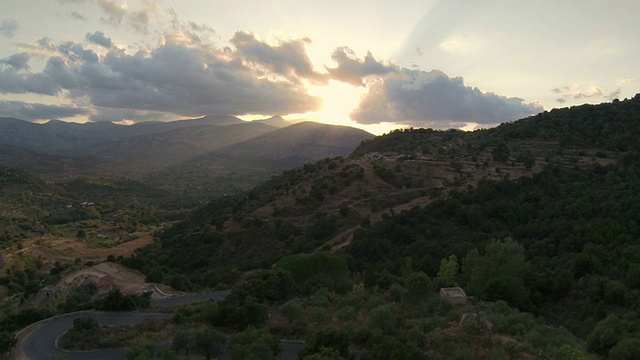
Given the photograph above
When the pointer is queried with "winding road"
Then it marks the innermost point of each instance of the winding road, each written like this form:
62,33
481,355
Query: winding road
40,343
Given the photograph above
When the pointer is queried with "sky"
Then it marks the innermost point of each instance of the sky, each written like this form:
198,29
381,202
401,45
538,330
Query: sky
377,65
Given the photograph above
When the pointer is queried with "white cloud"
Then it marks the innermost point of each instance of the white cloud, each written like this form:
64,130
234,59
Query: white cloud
289,58
628,81
574,92
352,70
432,99
462,45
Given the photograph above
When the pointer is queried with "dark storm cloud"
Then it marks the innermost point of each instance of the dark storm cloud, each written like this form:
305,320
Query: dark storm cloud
17,61
70,51
100,38
14,82
432,99
30,111
8,27
76,53
289,58
180,80
353,70
175,79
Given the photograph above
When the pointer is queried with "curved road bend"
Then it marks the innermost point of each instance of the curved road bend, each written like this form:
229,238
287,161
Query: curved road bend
41,343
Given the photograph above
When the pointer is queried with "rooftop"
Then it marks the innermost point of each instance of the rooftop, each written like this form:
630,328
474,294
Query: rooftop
453,292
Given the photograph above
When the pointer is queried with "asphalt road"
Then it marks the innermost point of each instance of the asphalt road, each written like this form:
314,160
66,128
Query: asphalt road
40,344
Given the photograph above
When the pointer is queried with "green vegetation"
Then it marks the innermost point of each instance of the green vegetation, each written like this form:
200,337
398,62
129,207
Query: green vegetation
86,334
536,220
103,212
536,215
117,301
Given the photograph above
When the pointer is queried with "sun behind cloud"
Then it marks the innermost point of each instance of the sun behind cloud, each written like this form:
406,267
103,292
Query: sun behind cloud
339,100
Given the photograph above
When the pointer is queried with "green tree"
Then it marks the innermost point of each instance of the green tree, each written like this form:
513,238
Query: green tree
85,324
117,301
392,348
325,354
501,152
626,349
500,273
141,352
304,268
607,333
182,341
448,271
267,285
253,344
383,318
93,213
82,234
570,352
324,340
7,341
207,343
292,309
419,288
633,276
169,355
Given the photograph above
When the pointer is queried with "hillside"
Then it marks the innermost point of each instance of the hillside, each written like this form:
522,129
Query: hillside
298,144
115,208
51,165
123,149
196,158
151,152
238,167
539,214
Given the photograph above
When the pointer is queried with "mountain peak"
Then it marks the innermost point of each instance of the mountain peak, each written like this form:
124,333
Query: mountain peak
275,121
219,119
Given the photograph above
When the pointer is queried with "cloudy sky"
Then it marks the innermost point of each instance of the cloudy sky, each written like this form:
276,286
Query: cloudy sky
373,64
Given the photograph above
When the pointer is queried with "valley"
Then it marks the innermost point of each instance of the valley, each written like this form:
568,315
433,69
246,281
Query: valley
341,240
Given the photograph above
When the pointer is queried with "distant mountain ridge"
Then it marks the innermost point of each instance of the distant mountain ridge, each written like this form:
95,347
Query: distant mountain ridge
181,151
299,143
66,138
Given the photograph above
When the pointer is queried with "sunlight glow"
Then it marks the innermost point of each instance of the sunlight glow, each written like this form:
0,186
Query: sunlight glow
339,100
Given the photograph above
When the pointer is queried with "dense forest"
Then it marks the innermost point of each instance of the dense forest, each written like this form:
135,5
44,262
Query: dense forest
537,221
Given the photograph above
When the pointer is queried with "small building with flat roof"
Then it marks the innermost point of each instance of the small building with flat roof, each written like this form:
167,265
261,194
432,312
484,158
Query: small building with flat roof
455,295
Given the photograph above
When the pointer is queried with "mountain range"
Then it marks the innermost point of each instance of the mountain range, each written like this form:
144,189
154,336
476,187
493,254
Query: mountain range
206,148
